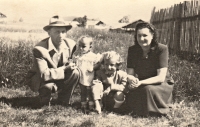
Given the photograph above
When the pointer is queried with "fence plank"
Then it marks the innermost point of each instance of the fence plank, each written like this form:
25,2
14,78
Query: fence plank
179,26
152,14
171,25
182,39
187,27
198,44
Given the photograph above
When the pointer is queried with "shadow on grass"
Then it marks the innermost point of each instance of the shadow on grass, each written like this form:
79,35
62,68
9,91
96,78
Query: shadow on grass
32,102
17,102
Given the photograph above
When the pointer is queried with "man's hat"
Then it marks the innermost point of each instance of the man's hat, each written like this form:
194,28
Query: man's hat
57,21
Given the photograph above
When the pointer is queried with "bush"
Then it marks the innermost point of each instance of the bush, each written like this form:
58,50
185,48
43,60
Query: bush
15,60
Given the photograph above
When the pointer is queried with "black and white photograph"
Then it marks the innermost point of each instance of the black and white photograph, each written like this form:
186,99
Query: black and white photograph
99,63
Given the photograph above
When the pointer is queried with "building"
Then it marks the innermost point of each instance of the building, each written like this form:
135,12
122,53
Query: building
125,27
2,18
2,15
131,26
117,27
95,24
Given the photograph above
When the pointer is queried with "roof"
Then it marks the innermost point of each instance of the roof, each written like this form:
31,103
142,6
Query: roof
94,22
2,15
132,24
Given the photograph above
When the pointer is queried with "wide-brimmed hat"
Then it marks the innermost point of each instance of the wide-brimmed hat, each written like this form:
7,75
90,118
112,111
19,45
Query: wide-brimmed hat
57,21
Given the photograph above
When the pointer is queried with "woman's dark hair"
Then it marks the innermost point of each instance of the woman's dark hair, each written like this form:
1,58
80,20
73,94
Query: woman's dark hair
151,28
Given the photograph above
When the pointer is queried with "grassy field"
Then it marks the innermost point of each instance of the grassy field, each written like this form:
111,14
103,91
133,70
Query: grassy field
17,100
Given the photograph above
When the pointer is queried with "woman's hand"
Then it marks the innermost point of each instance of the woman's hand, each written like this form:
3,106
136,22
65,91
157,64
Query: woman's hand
134,84
131,78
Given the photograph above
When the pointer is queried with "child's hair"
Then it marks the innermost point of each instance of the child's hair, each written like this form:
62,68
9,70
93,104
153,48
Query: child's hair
89,39
112,54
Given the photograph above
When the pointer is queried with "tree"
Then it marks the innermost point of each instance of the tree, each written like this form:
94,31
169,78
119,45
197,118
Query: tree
125,19
81,20
21,19
84,20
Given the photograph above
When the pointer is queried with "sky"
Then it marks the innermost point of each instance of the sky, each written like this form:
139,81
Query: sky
105,10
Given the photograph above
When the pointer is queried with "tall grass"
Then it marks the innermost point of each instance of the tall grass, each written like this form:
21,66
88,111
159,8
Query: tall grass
21,27
16,59
187,78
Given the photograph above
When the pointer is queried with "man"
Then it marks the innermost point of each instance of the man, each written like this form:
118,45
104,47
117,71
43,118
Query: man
52,70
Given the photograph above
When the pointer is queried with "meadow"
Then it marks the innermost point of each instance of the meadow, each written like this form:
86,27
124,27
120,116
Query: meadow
17,100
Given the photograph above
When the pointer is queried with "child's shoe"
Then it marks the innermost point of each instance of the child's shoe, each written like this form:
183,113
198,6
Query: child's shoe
97,106
91,105
84,110
84,107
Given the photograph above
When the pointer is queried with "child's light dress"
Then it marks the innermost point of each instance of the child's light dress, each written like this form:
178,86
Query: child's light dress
86,63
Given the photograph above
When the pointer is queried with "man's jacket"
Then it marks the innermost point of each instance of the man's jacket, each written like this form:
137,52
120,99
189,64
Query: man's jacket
45,68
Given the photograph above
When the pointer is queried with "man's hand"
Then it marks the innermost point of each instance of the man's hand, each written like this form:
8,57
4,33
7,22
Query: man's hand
107,91
70,66
96,82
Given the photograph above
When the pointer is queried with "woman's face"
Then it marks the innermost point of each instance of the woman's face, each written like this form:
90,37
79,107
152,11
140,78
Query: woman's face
144,37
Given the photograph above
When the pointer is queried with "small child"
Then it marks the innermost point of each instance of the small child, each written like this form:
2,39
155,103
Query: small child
87,61
114,82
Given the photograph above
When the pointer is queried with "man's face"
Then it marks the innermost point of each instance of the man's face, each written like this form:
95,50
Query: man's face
57,34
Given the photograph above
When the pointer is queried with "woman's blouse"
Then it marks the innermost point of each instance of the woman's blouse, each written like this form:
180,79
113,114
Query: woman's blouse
147,67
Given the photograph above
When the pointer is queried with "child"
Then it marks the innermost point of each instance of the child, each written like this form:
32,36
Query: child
87,61
113,80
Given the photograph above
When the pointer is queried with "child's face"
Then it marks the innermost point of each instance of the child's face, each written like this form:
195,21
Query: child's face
110,65
84,46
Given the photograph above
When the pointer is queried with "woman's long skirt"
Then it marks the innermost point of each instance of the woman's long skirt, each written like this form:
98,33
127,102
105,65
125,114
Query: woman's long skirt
150,99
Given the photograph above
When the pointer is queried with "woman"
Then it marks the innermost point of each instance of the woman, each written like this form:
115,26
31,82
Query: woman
147,60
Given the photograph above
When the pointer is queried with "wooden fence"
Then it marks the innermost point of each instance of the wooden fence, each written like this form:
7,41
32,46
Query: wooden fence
179,27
